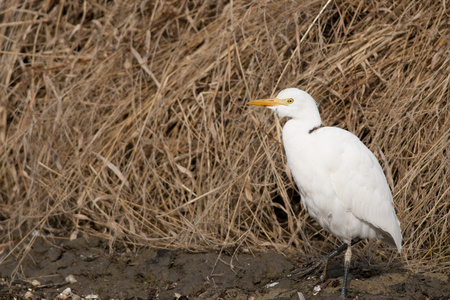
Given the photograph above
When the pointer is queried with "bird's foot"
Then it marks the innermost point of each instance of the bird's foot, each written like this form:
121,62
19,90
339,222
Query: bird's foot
343,294
312,268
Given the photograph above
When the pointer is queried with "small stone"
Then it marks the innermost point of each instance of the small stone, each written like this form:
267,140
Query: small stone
317,289
35,283
64,295
300,296
270,285
71,279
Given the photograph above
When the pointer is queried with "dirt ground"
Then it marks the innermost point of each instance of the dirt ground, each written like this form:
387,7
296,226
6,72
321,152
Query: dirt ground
84,269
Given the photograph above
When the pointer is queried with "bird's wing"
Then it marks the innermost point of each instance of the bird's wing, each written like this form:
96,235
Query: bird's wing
359,181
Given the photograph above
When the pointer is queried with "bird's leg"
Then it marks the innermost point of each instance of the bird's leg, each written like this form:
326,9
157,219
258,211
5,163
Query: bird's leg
323,261
348,256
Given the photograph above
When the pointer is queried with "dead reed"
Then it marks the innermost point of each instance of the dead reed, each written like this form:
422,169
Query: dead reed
128,120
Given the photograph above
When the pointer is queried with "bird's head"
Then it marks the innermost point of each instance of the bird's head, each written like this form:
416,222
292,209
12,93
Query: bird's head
292,102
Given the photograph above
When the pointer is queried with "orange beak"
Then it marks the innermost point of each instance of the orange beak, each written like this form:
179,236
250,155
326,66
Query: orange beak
269,102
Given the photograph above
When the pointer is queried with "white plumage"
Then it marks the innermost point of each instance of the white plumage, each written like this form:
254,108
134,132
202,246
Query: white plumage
341,183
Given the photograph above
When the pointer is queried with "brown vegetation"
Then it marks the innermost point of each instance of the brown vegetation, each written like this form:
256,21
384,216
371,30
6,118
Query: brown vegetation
128,120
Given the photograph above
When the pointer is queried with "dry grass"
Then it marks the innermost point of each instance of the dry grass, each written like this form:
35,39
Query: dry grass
129,121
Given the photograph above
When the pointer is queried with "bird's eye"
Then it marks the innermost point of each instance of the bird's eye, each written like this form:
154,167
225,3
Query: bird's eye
290,101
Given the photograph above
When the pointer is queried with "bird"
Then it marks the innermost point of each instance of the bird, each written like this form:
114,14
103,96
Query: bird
340,181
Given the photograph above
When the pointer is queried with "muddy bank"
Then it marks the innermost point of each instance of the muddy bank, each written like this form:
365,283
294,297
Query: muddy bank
89,270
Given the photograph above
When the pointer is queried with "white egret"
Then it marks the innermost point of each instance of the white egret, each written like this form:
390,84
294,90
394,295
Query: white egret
341,183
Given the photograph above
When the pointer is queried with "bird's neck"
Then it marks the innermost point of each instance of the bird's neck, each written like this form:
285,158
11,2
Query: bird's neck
307,121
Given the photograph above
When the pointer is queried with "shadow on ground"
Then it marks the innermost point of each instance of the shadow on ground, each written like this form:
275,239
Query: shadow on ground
84,269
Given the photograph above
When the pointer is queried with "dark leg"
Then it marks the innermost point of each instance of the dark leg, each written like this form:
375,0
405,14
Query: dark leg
322,262
348,256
